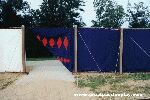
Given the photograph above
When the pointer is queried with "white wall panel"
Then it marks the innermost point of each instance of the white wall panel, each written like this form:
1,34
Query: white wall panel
11,50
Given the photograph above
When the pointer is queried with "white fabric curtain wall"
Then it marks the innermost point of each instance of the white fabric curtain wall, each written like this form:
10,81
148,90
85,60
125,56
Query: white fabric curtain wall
11,50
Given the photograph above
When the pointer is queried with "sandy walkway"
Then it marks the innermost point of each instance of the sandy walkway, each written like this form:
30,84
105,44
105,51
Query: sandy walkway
48,80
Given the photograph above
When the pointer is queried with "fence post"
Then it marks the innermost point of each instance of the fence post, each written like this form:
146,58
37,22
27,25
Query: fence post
121,51
75,48
23,48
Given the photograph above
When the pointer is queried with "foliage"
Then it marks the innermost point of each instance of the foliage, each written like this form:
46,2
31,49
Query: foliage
34,48
108,13
10,13
138,15
59,13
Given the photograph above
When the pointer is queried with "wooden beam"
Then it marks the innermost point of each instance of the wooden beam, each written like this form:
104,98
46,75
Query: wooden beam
23,48
75,49
121,51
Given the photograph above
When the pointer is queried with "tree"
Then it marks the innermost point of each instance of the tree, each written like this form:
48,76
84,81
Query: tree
108,13
12,13
138,16
59,13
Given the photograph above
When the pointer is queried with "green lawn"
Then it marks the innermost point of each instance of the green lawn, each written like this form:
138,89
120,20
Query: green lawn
40,59
115,83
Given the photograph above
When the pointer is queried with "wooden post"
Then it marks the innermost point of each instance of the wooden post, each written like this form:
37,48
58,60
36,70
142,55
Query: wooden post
75,48
121,50
23,48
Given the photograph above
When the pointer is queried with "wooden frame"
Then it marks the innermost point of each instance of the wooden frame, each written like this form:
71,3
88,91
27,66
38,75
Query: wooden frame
23,48
121,51
75,48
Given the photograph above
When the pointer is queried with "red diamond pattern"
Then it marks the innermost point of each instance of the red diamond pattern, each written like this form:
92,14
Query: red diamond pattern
51,42
38,37
59,42
66,43
44,41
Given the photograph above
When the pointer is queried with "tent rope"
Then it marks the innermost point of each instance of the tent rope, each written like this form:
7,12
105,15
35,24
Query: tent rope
140,47
90,52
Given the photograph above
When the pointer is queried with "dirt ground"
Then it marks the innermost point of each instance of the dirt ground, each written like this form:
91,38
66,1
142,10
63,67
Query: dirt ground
44,90
7,79
50,80
51,89
47,80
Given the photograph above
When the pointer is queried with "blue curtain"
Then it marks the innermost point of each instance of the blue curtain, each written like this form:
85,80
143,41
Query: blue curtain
98,49
58,41
136,52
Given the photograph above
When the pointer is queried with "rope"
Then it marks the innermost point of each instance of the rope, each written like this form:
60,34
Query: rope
90,52
140,47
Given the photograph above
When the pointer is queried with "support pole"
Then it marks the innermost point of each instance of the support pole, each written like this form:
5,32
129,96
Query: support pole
23,48
75,48
121,51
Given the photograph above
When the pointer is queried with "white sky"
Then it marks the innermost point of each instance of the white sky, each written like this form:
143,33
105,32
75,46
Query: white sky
89,13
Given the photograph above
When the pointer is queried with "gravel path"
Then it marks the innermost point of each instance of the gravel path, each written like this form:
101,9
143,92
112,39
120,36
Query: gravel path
47,80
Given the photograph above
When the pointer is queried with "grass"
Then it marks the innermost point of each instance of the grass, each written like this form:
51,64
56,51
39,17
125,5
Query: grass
115,83
140,76
40,59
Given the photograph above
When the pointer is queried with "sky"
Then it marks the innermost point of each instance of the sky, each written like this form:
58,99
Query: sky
89,14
